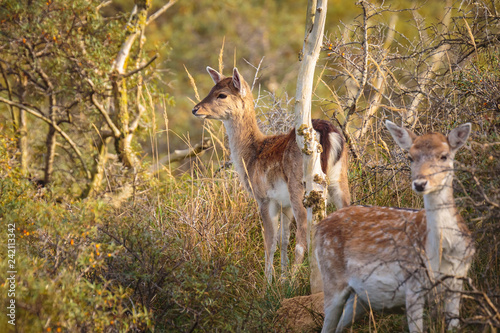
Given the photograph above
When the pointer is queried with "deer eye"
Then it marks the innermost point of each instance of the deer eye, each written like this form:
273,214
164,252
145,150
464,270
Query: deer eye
222,96
444,157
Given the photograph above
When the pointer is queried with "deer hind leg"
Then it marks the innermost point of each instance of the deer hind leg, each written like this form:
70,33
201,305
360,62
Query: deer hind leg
335,300
270,222
353,309
284,232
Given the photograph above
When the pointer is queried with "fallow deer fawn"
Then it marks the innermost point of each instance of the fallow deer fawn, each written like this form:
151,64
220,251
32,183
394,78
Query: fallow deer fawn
270,167
383,258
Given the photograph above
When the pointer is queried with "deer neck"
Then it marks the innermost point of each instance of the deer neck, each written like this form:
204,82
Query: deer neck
442,223
244,136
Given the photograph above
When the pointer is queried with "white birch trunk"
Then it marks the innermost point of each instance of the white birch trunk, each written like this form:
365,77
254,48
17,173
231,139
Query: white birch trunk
307,138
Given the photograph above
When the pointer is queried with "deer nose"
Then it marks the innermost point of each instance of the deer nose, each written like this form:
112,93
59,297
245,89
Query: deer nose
419,185
195,109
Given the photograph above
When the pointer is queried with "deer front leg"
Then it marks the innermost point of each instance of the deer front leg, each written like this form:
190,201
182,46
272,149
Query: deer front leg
270,224
452,302
415,301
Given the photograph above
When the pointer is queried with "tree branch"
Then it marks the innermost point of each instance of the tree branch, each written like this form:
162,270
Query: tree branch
180,155
9,90
364,70
380,82
133,125
410,116
104,4
112,126
160,11
140,68
56,127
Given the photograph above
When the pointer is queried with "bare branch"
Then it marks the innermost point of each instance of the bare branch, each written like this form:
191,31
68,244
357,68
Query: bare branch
56,127
140,68
121,58
133,125
107,118
380,82
9,91
160,11
364,69
103,4
436,60
183,154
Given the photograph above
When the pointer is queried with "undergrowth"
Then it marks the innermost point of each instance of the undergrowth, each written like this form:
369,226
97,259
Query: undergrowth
185,253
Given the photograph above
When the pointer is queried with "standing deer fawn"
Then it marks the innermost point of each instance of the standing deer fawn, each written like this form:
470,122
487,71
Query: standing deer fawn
270,167
383,258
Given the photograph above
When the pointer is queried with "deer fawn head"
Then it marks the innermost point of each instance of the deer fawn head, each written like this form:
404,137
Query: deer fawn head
229,97
431,155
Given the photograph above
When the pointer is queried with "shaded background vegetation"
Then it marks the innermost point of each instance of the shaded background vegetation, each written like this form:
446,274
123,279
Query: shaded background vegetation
114,238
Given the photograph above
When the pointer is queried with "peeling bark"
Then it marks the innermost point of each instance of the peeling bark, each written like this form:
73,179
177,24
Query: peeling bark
307,138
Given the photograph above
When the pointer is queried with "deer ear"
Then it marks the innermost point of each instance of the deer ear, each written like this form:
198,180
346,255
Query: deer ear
458,136
238,82
216,76
403,137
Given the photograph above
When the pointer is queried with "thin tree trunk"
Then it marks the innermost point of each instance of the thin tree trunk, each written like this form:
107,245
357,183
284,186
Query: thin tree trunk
307,138
123,142
101,158
51,135
13,115
22,128
22,141
123,146
51,153
18,122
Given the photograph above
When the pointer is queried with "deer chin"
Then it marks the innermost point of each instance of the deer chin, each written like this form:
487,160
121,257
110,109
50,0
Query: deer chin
201,116
427,189
430,188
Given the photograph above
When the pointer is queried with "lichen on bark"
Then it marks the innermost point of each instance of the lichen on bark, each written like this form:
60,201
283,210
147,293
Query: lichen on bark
315,200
